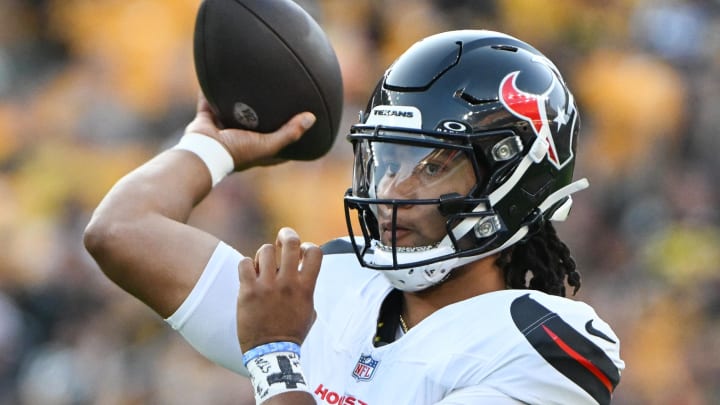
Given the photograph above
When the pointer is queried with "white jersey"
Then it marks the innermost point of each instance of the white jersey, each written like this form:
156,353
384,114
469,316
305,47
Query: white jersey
504,347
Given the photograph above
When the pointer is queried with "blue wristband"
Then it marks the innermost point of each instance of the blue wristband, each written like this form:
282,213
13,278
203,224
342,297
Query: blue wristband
275,369
271,347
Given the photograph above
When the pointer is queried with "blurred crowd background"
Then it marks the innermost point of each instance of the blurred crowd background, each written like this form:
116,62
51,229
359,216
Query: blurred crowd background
91,88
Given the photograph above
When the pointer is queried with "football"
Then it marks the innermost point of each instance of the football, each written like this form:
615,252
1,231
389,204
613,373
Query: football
259,62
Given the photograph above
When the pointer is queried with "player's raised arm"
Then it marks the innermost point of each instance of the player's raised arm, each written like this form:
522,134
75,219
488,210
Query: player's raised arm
138,234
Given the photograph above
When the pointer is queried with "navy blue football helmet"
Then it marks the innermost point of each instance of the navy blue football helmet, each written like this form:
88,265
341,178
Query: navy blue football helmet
467,144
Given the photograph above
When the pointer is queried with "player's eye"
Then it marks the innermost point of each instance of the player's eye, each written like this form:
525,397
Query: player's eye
430,169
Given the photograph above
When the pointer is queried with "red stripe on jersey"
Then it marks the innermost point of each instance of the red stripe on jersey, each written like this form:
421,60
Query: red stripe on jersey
579,358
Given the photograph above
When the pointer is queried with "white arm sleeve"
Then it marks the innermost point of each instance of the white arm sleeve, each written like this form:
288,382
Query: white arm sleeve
207,317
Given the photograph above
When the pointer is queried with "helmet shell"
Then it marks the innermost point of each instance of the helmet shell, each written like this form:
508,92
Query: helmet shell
455,79
489,91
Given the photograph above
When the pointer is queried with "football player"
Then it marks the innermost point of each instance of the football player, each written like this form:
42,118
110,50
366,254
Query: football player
449,289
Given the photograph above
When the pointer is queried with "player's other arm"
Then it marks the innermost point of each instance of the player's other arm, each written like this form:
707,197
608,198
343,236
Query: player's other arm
274,314
138,234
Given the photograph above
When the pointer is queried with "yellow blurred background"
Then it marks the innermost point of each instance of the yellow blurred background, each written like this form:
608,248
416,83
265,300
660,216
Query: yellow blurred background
91,88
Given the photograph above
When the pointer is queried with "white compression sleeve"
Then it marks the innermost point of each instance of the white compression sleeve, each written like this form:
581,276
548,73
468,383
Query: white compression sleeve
207,317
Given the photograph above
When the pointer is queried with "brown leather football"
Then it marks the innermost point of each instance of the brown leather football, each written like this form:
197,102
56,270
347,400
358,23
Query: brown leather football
259,62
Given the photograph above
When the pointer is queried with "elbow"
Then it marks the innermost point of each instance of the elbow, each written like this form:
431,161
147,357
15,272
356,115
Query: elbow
97,236
106,239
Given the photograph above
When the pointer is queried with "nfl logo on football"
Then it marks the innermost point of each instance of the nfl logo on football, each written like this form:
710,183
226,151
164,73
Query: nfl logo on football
365,368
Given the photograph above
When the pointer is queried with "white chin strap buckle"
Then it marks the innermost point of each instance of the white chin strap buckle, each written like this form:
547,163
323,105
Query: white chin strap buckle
563,211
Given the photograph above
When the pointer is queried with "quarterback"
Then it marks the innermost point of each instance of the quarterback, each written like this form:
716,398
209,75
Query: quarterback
450,287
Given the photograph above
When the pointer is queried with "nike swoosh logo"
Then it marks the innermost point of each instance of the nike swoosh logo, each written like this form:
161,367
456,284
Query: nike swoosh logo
595,332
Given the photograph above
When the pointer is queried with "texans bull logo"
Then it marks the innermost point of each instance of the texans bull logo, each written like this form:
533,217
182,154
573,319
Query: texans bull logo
533,108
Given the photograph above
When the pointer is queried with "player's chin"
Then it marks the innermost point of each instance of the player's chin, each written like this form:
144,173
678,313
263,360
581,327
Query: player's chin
402,238
405,239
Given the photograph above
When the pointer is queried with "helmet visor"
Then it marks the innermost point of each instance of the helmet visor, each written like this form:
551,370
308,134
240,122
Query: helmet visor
397,171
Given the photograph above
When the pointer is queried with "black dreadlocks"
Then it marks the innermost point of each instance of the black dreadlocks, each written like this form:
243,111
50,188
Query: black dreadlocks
544,257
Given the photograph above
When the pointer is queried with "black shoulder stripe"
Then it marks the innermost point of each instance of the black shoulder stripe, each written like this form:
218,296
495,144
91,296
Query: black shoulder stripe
566,349
337,246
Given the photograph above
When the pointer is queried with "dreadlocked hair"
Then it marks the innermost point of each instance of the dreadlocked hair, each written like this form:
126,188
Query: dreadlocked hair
543,258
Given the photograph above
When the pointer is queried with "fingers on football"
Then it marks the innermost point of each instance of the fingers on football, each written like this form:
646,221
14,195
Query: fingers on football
203,108
290,132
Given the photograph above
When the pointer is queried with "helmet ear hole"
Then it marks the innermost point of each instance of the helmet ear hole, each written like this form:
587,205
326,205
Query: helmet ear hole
524,128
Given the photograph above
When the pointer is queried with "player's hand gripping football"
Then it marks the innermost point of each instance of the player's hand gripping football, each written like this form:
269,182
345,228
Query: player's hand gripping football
249,148
275,302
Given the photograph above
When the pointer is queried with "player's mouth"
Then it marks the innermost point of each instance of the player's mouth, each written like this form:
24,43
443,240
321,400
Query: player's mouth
402,233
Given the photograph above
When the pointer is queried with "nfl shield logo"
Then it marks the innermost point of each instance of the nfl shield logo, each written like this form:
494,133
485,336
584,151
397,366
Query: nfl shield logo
365,368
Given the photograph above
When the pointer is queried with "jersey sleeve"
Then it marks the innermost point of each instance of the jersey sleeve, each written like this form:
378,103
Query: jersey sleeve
207,317
567,354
